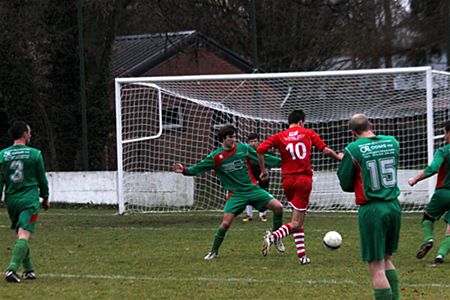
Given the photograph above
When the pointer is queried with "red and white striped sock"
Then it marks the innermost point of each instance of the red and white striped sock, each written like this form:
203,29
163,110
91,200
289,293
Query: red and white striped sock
281,232
299,240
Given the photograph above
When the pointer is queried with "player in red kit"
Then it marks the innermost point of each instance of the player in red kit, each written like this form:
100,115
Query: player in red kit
294,145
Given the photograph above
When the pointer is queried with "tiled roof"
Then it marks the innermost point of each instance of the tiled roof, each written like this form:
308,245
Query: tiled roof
135,54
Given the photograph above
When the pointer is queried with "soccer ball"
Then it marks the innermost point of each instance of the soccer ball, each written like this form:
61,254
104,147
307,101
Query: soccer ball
332,240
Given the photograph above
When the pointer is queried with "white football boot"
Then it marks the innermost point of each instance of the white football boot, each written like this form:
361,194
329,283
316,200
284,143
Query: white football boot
267,242
304,260
210,256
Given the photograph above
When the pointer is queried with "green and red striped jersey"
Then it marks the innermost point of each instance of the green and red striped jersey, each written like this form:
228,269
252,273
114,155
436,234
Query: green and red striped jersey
369,168
22,171
440,165
232,167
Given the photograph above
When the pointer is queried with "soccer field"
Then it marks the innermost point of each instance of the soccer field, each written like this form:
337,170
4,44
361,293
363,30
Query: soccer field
94,254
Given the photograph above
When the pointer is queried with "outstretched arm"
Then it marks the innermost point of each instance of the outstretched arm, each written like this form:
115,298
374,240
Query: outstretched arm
178,167
272,161
262,149
262,166
198,169
330,153
414,180
321,146
429,171
346,172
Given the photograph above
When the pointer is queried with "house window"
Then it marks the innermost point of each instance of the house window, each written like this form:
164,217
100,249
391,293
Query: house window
172,117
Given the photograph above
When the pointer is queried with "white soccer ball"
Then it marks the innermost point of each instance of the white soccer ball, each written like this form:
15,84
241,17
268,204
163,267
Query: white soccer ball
332,240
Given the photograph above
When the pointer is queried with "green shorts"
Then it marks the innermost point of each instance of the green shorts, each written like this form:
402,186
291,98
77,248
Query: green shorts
379,229
23,217
439,205
238,200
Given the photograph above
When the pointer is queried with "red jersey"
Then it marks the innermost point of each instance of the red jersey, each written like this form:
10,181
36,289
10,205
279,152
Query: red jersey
295,146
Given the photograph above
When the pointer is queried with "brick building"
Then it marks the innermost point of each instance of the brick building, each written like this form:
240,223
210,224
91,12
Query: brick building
173,53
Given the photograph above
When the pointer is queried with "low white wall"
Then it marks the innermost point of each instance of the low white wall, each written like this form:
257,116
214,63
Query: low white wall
83,187
166,188
158,189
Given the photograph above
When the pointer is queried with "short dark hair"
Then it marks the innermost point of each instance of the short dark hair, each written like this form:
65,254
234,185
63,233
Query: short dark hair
18,129
253,136
447,126
360,123
296,116
226,131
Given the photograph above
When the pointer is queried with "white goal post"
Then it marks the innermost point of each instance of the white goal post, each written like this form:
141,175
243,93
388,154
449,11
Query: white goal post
162,120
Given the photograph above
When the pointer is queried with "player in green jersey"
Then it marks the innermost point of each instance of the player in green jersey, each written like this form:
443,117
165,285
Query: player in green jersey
440,201
231,165
369,169
22,173
253,140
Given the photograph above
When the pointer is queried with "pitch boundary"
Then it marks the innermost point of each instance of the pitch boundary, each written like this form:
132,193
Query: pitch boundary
221,279
324,214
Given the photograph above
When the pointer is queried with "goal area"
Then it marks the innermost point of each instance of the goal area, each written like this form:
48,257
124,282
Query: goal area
163,120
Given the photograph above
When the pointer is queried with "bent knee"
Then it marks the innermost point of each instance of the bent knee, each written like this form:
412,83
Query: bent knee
275,206
428,217
225,225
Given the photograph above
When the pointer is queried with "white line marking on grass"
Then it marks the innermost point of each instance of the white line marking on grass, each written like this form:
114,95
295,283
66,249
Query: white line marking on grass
125,227
210,279
333,215
212,229
173,227
221,279
50,214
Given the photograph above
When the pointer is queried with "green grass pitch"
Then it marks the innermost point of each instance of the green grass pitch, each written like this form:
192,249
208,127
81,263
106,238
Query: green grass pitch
94,254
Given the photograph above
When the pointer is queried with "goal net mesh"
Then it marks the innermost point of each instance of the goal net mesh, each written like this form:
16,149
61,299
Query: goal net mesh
163,121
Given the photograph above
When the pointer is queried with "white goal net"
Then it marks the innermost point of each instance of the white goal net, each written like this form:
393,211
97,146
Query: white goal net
163,120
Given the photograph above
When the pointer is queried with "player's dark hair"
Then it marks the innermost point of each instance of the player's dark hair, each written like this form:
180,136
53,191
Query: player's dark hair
225,131
360,123
296,116
253,136
447,126
18,129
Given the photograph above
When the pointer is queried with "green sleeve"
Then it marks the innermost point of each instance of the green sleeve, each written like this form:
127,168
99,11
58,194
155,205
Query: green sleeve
346,172
42,179
202,167
271,161
2,182
433,168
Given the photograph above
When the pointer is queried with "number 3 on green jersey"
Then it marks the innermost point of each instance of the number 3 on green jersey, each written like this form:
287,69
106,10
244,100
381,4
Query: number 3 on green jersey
17,167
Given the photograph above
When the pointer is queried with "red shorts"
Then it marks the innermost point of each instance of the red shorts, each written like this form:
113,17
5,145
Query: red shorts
297,189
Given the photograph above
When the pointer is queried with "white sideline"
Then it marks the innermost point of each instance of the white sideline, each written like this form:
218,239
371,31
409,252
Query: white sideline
207,229
221,279
219,214
210,229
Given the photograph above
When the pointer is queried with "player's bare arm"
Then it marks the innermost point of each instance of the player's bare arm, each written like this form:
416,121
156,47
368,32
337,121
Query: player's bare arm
178,167
414,180
330,153
262,166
